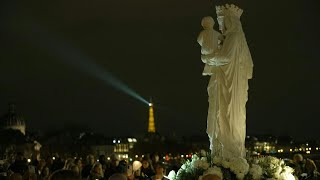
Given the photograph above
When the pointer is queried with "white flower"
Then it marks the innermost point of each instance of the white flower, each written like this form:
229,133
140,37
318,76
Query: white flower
214,171
240,175
286,174
256,171
171,174
200,164
239,166
288,169
195,157
204,159
217,160
272,166
203,152
277,172
226,164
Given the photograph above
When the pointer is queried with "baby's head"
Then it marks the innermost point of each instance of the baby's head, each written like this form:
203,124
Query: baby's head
207,22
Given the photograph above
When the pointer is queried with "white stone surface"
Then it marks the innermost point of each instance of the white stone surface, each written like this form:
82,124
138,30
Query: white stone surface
230,68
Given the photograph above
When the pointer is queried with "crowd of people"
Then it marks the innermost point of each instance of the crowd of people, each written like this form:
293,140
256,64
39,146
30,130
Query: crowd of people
90,168
112,168
304,168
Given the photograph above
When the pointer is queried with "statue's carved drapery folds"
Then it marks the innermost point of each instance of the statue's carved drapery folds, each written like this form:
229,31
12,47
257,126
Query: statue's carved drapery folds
231,68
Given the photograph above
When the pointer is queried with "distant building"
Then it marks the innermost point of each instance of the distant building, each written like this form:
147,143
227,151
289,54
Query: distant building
13,136
123,147
263,144
13,120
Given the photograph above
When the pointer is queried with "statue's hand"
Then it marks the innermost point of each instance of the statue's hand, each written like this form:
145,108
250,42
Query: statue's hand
208,59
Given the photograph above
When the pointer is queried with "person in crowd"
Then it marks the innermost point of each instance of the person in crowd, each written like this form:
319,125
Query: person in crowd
16,176
69,162
64,174
146,171
45,173
78,163
155,160
122,167
160,172
49,162
57,163
88,166
96,172
113,166
103,161
40,166
75,169
117,176
304,167
35,159
20,164
29,176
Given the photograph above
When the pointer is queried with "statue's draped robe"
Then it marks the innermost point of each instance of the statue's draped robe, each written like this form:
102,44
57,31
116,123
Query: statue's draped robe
228,91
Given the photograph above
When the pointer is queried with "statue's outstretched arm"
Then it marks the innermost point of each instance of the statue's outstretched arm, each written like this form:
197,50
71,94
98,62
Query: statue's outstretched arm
215,59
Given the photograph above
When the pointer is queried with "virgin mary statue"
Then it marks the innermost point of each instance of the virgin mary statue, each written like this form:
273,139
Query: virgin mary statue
231,67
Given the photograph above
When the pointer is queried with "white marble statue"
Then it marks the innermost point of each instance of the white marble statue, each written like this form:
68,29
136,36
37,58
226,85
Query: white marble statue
209,40
231,67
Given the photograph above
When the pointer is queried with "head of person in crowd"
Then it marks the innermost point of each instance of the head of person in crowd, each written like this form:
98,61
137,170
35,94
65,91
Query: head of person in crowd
123,165
102,159
90,159
19,156
145,163
97,171
298,158
147,169
78,162
114,160
117,176
159,168
155,157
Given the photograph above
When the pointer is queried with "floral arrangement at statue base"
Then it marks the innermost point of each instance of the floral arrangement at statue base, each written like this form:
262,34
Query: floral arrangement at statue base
268,167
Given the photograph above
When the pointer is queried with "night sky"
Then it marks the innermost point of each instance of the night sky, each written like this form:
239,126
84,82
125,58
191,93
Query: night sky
150,45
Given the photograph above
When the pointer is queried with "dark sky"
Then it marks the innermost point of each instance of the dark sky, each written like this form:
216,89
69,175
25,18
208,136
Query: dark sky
150,45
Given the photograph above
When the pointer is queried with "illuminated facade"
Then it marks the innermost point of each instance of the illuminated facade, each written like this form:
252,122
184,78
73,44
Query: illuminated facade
123,146
13,120
266,147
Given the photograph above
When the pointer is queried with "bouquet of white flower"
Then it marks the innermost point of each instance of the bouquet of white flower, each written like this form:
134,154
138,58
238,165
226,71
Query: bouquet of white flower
237,168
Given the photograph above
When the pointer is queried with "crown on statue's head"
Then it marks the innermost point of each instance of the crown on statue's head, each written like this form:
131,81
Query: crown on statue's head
229,10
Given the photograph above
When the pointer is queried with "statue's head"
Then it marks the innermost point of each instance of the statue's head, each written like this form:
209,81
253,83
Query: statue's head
207,22
229,17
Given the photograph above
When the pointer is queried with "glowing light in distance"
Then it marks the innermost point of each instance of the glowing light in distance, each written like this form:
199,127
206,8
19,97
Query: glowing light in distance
150,104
